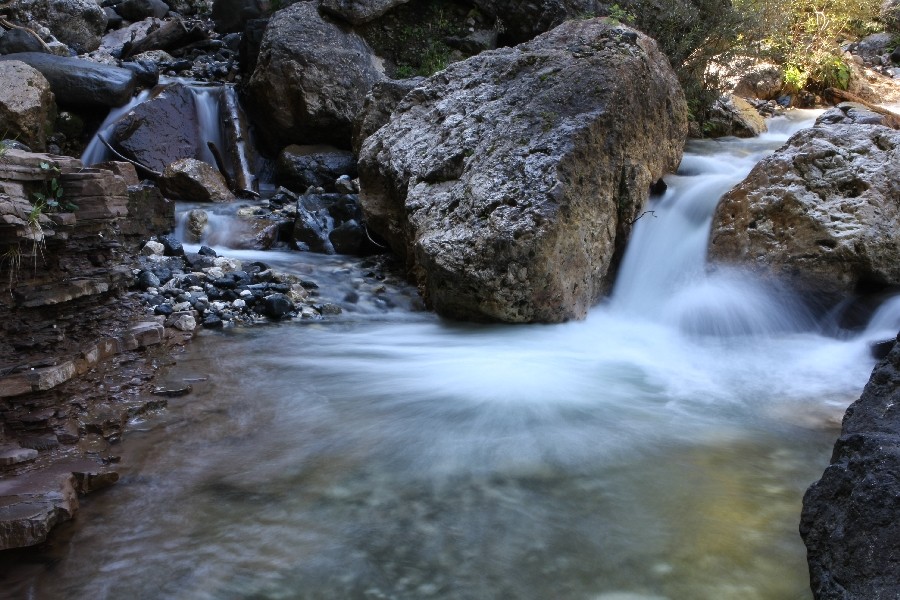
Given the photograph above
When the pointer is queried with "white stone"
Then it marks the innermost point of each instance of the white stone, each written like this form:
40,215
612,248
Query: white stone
239,303
152,248
185,323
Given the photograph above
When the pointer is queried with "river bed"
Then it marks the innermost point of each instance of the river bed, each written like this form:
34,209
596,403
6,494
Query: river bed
657,450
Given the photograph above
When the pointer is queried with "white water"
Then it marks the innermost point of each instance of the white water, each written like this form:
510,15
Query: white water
657,450
207,105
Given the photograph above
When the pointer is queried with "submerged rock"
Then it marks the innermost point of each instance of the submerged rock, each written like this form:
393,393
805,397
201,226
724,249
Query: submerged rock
510,181
821,212
849,521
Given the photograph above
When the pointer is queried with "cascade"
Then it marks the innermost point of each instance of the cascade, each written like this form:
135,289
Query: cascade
220,121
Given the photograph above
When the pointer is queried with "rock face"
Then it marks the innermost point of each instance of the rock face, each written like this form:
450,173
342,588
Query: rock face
76,23
194,181
311,79
378,106
822,212
510,180
78,82
27,109
849,521
359,11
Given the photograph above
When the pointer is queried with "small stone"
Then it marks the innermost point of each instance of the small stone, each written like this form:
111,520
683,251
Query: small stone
277,306
212,322
207,251
152,248
239,303
329,309
185,323
146,280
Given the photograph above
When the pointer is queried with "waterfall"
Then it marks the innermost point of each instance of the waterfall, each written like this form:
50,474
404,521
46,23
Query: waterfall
664,274
218,120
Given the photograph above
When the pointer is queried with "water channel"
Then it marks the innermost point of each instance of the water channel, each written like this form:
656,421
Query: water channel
657,450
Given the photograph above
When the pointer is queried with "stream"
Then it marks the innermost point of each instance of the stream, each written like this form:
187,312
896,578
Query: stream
657,450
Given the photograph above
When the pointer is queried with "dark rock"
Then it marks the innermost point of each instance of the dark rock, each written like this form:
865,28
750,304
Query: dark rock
207,251
77,82
849,520
880,350
17,40
359,11
380,102
147,72
251,42
277,306
147,279
348,238
311,230
138,10
161,130
212,322
310,80
172,245
114,20
301,167
231,15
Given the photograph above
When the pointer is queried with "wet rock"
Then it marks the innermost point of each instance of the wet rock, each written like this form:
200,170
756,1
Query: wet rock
380,102
161,130
172,246
507,182
14,455
76,23
147,279
78,82
195,181
310,80
820,213
849,520
301,167
348,238
197,222
147,72
138,10
27,107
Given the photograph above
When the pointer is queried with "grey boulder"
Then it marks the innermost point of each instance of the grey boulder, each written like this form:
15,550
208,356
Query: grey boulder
510,181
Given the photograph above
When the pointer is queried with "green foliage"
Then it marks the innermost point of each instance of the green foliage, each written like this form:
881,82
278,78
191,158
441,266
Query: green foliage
50,197
621,15
794,78
805,36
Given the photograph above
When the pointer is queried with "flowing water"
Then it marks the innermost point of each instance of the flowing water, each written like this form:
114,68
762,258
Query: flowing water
657,450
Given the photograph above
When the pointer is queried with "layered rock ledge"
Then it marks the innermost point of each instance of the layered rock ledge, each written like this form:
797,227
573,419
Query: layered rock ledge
510,181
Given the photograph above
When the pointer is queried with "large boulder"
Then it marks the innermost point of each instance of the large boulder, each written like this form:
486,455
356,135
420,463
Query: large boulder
822,211
732,115
520,21
27,109
359,11
849,521
379,104
230,16
510,181
78,82
77,23
311,79
161,130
